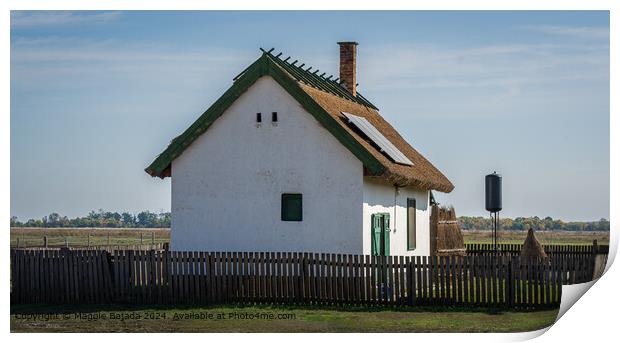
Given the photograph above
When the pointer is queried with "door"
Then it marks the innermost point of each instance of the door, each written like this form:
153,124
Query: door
380,235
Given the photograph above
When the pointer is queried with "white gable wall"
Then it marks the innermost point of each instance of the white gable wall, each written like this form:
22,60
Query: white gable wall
227,185
380,197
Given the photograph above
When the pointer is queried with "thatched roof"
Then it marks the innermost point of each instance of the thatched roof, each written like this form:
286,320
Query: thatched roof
422,174
531,247
325,99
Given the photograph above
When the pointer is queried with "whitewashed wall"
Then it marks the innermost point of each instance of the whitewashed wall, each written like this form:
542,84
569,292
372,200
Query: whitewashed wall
227,186
382,198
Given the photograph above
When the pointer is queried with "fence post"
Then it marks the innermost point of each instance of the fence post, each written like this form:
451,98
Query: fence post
141,238
17,242
152,238
88,242
66,242
593,260
510,301
411,285
304,280
45,241
108,239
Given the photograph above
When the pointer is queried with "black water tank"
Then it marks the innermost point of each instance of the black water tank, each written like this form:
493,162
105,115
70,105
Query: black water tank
493,192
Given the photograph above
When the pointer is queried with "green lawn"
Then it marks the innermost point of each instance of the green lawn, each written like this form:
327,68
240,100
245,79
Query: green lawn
272,319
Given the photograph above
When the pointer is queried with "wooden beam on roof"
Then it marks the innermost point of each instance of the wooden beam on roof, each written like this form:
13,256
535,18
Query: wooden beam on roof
315,80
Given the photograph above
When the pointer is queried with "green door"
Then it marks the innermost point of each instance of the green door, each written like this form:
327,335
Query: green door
380,234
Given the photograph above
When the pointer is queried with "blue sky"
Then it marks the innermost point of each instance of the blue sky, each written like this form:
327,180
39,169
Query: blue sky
95,96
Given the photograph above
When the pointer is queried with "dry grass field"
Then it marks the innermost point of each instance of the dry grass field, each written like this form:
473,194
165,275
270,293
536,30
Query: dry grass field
80,236
544,237
101,236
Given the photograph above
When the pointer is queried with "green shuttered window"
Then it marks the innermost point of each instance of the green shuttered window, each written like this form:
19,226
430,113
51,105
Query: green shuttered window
291,207
380,235
411,223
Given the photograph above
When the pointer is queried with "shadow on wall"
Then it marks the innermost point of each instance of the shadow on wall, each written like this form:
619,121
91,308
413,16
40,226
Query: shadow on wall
400,197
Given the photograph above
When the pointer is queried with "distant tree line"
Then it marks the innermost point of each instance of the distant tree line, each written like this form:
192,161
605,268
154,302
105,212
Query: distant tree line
103,218
524,224
100,218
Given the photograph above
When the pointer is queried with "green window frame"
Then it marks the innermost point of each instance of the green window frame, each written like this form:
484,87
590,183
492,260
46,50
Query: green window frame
292,207
411,224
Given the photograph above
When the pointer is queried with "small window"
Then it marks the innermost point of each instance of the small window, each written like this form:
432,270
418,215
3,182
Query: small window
274,116
259,117
411,223
291,207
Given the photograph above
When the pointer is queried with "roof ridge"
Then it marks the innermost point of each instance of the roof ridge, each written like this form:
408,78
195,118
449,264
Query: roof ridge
314,80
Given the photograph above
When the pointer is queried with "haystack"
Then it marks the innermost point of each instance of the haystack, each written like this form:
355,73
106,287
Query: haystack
531,247
446,237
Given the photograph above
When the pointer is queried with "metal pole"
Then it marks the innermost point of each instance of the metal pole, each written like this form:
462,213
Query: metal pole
496,228
495,222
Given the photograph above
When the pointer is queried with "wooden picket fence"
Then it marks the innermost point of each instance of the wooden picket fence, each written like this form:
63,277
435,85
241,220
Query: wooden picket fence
168,277
550,249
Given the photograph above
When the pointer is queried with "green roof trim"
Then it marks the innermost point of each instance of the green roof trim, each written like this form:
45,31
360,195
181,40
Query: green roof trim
284,74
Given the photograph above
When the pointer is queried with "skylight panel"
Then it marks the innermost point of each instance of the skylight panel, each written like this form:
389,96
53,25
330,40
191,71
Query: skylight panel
378,138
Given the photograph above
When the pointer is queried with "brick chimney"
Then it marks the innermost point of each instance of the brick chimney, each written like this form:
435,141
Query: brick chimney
348,77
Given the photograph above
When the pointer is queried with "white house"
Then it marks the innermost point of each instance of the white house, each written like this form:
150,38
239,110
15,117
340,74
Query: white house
288,159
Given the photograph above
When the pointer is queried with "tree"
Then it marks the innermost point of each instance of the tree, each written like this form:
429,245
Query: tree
147,219
128,219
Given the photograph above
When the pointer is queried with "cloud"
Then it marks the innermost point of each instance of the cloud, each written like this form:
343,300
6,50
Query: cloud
489,74
64,63
590,32
478,80
507,65
50,18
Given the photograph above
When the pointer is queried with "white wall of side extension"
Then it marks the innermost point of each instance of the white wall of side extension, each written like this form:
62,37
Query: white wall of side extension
380,197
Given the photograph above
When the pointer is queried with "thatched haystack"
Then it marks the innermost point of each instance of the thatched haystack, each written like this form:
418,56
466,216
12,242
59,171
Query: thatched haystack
531,247
446,237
